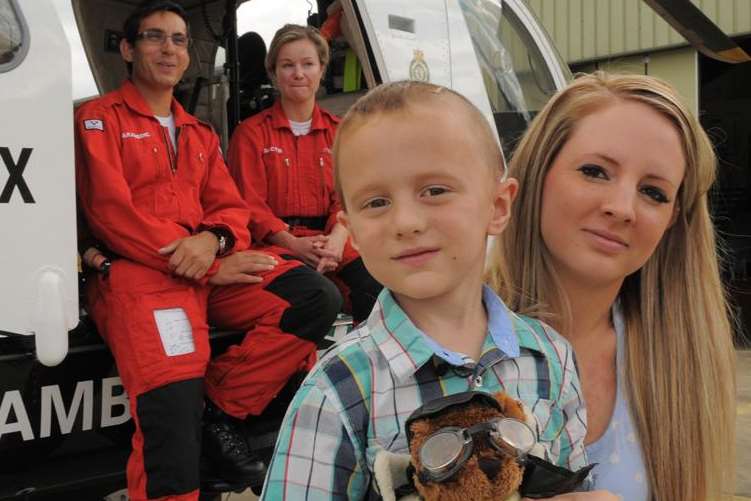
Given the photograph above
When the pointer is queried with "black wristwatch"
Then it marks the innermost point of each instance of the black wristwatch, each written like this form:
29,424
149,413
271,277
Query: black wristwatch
225,239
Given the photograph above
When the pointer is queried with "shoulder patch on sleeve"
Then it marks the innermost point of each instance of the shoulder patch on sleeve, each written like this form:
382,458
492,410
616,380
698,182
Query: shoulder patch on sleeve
93,125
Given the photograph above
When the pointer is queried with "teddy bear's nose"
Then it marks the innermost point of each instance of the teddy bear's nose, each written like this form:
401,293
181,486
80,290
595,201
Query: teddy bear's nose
490,466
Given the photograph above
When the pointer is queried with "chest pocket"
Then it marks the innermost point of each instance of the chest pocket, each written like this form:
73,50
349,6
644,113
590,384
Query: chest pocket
539,394
146,170
278,168
327,167
193,161
316,181
192,171
550,419
145,159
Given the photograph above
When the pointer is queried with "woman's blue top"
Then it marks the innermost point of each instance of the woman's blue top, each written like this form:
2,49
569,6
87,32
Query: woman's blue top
621,465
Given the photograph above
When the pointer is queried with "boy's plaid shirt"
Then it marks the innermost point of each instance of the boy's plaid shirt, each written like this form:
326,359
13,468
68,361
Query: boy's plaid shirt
357,398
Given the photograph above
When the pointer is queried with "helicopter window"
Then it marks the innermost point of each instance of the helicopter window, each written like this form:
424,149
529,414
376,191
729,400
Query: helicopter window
257,22
516,77
13,36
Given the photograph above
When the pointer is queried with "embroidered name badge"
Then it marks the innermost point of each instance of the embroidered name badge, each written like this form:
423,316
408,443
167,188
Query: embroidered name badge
93,125
135,135
272,149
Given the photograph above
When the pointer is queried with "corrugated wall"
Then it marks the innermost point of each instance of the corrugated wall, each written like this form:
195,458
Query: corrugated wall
595,29
678,66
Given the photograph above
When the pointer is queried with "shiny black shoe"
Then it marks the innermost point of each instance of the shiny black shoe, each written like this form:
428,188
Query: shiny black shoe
226,453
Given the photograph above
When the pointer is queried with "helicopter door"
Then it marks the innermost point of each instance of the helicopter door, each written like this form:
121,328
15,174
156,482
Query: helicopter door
521,69
39,287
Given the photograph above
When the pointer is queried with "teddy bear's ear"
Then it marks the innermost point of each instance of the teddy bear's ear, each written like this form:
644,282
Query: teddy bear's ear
510,407
418,432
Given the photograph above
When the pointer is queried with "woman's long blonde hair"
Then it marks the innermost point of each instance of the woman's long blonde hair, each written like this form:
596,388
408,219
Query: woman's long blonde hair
680,359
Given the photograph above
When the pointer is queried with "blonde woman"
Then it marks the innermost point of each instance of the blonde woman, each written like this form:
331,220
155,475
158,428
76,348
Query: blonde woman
611,238
281,161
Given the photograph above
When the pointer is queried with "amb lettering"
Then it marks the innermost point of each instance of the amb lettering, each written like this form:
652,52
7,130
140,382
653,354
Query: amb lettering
14,417
15,170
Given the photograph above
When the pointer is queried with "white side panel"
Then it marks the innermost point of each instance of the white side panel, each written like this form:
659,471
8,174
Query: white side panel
425,40
38,269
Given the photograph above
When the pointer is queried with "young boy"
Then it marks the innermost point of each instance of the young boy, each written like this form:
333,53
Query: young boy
419,174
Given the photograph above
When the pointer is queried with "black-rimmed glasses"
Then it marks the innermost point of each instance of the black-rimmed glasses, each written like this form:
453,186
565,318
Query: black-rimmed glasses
158,37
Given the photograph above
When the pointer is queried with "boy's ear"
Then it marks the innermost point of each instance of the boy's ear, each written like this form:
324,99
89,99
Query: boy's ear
343,219
502,198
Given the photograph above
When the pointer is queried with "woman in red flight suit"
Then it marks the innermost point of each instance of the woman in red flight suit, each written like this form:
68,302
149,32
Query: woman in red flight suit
281,161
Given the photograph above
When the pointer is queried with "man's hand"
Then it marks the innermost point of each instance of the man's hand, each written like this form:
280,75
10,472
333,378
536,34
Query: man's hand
243,268
192,256
94,259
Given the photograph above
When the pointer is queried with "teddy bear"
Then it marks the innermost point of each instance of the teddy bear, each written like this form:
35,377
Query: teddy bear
471,446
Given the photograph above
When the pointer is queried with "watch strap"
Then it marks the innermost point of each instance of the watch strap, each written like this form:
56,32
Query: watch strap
224,237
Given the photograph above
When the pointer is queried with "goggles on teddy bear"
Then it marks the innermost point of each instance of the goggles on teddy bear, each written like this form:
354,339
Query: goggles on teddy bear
446,450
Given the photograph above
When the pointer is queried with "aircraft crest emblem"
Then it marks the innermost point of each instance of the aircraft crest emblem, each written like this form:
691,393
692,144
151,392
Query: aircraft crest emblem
418,68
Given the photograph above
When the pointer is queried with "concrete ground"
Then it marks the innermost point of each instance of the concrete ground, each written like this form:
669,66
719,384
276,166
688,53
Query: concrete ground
743,434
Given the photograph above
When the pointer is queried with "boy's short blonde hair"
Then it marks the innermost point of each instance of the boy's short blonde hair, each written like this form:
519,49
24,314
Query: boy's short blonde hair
398,97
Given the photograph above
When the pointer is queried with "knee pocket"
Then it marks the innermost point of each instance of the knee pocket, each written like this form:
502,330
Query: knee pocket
314,302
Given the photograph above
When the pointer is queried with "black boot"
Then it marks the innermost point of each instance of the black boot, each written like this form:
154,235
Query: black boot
224,447
263,430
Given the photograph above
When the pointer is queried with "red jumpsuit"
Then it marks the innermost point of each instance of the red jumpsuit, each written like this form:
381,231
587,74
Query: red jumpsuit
289,179
137,194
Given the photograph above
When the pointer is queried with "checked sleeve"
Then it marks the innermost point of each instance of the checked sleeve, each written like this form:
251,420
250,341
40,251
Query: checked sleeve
316,456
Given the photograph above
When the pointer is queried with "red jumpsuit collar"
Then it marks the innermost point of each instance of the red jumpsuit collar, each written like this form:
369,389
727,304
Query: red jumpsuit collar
280,121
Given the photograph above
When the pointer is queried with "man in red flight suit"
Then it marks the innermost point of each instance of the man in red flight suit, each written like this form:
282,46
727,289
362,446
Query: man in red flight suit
155,192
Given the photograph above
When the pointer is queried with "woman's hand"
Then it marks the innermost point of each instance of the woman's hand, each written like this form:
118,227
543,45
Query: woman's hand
243,268
309,249
582,496
333,248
